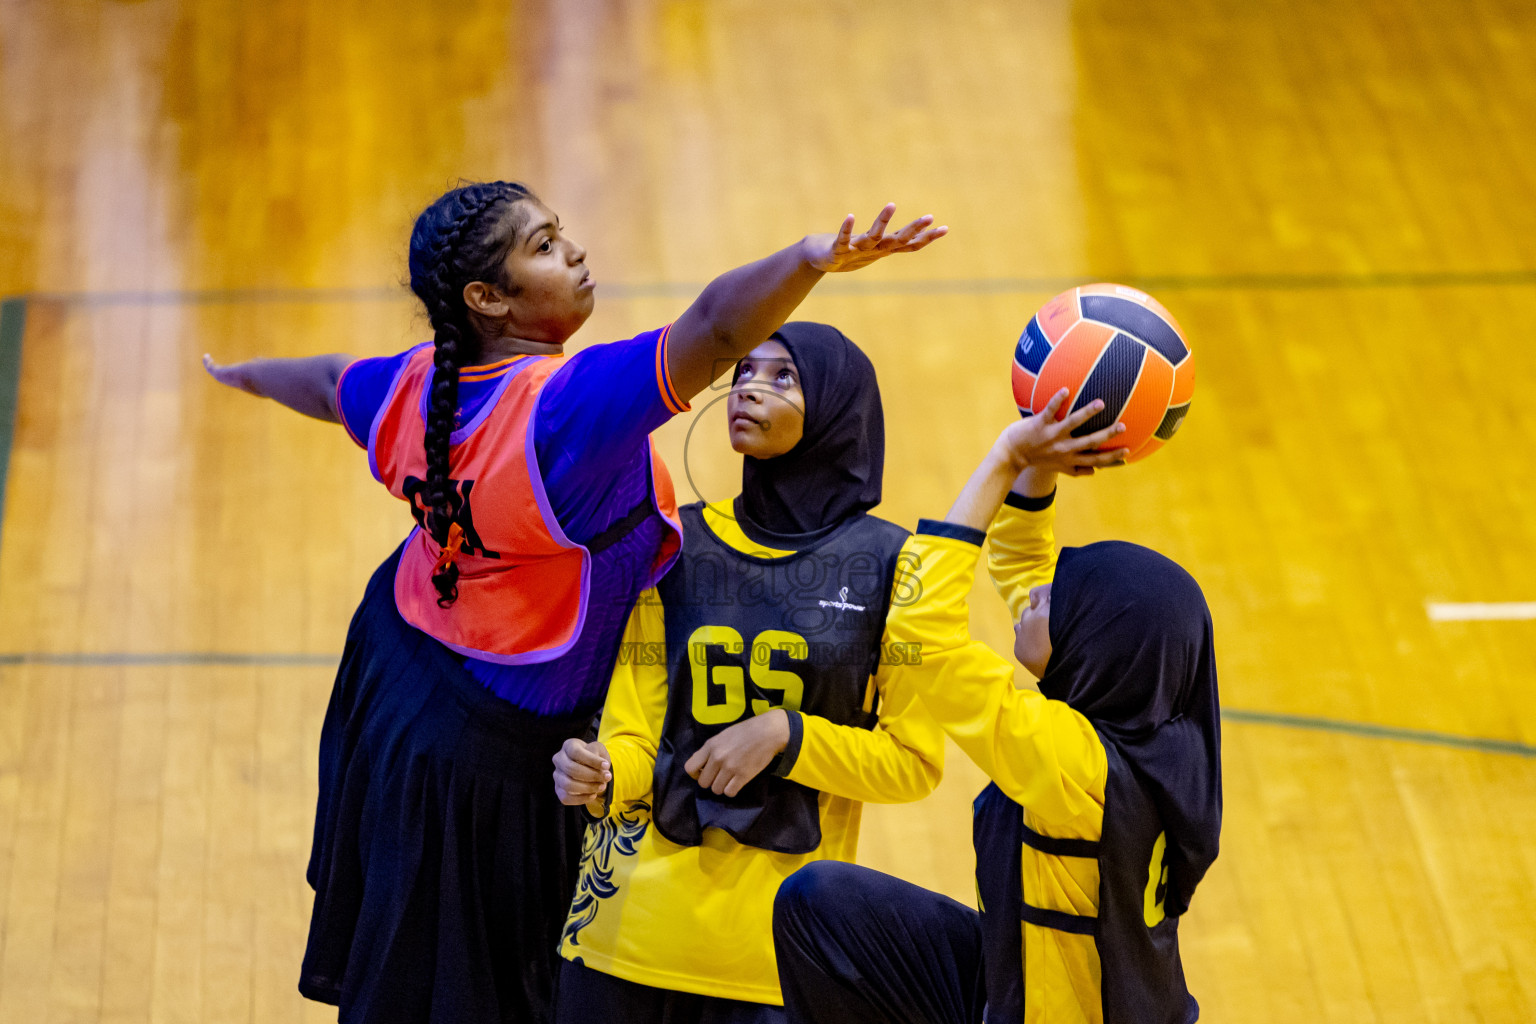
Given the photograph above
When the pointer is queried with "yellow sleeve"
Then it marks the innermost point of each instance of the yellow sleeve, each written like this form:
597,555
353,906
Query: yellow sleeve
636,706
1021,551
1040,752
900,760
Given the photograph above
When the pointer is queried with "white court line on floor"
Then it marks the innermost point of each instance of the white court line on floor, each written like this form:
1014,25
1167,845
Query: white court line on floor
1501,611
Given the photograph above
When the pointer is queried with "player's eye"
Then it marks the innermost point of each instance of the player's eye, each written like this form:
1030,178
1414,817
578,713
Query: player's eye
546,245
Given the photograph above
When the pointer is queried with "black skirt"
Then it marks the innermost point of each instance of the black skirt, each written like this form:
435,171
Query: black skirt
442,863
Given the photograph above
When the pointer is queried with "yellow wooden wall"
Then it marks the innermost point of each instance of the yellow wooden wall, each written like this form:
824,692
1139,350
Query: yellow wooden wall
1337,200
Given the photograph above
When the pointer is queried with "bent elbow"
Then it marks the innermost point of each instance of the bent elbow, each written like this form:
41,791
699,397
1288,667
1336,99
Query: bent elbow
932,775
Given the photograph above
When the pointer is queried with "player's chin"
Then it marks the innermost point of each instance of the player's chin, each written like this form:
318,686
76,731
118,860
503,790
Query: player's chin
746,439
582,305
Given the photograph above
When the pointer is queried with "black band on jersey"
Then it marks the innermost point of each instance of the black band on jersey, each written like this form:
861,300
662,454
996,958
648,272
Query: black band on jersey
785,762
1028,504
954,531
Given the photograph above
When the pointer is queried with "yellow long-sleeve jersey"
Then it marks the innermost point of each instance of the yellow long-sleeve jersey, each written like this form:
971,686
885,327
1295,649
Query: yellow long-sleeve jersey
1041,753
699,918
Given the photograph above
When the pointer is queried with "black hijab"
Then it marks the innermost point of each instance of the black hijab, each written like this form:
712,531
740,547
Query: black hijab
835,470
1132,651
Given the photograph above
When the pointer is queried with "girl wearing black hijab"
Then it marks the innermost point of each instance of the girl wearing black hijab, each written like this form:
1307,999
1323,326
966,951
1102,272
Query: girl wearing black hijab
753,707
1105,803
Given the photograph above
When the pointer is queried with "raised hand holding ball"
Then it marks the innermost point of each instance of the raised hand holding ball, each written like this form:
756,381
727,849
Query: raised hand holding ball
1113,344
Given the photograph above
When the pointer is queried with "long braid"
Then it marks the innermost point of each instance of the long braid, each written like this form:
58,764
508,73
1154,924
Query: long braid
453,244
447,356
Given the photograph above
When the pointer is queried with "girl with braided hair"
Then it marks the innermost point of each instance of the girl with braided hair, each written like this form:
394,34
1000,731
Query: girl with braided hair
443,862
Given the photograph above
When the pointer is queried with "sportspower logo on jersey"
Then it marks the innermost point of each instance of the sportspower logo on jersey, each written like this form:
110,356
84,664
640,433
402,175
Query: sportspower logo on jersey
842,603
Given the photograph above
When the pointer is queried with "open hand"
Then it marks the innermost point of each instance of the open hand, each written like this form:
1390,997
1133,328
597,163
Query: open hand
842,251
582,774
1045,443
734,757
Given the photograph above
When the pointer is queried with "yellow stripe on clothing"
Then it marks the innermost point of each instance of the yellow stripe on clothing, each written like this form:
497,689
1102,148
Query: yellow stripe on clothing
721,520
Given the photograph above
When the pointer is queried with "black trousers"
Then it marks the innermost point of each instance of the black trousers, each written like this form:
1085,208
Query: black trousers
855,945
585,996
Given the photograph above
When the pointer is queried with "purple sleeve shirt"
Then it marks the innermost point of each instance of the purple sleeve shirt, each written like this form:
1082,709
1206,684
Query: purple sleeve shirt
590,427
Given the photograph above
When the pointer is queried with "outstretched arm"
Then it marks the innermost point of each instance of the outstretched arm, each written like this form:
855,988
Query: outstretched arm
1040,752
306,385
741,308
1042,443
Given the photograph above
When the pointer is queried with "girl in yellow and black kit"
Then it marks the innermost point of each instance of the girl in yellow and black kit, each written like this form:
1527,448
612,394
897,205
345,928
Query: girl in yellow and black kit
1105,805
755,704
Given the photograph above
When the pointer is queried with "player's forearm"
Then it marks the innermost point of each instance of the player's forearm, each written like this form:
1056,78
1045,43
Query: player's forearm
634,770
1035,482
871,765
636,706
306,385
632,721
1021,548
984,492
735,313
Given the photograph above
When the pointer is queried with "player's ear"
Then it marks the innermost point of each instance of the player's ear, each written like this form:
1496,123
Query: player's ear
485,299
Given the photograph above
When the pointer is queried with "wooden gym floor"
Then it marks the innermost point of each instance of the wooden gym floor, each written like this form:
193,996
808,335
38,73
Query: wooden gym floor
1336,199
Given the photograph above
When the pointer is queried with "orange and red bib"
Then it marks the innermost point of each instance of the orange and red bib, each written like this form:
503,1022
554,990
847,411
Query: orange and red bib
523,584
